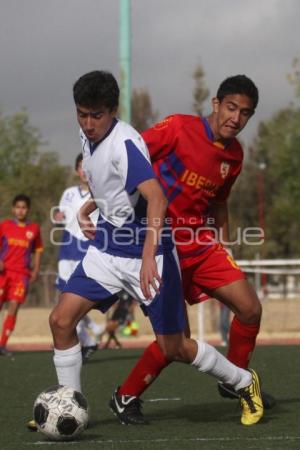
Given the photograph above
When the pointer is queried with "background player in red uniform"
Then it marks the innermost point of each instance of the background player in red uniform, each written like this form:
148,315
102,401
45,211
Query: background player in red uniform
197,160
19,239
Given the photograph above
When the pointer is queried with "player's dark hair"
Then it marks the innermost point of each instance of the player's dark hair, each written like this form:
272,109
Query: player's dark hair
78,160
96,89
238,84
22,198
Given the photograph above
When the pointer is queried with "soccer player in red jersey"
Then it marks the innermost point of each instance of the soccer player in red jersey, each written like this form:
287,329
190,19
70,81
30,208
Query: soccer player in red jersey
19,239
197,160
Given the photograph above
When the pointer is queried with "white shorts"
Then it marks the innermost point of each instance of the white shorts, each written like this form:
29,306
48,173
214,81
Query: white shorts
101,276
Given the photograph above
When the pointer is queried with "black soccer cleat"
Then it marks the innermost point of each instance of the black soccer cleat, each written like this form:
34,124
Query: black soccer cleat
128,409
4,351
227,391
88,351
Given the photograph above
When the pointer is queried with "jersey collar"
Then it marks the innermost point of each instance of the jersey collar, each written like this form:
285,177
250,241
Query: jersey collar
210,134
94,145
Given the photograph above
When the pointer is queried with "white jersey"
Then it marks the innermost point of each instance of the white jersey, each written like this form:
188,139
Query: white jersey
73,243
70,203
114,167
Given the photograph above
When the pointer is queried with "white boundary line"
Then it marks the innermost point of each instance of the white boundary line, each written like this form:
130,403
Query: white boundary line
174,399
196,439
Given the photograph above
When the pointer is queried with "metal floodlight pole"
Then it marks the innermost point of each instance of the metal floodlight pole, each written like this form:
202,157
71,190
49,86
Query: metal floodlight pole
125,61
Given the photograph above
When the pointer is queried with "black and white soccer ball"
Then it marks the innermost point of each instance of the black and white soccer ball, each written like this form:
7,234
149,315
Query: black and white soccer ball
61,413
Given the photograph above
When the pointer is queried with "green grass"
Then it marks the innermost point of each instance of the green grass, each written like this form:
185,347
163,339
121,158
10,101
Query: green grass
199,418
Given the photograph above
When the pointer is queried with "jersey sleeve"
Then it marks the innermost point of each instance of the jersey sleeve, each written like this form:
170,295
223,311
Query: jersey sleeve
66,205
64,200
134,164
161,138
38,245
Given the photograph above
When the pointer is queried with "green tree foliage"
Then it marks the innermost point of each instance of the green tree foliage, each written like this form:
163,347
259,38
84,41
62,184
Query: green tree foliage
143,115
278,145
200,92
270,181
276,187
294,77
18,146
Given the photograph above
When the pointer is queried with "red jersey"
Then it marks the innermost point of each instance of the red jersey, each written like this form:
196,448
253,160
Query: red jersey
17,243
194,171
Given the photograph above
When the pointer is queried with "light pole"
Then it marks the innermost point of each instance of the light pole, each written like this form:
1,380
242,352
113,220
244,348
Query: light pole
125,60
261,214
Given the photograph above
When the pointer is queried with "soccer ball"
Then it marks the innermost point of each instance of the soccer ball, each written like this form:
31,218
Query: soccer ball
61,413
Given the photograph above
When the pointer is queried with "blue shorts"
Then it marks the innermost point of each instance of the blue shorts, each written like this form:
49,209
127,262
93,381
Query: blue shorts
100,277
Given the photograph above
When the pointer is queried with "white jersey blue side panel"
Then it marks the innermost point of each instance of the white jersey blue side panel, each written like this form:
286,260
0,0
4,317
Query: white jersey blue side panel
124,158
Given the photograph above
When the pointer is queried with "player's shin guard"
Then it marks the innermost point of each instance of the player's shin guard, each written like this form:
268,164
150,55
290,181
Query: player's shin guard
8,327
145,371
242,339
210,361
68,365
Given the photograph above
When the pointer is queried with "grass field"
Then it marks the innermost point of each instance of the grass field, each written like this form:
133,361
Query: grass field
184,407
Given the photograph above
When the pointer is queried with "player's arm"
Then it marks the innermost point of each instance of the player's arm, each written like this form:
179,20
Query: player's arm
37,254
85,222
59,215
156,210
219,212
36,265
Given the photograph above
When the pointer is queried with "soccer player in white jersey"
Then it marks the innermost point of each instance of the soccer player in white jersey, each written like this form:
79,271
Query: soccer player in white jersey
73,248
130,250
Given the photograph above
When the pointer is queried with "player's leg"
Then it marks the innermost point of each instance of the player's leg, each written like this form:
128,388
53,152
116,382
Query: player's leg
15,290
220,275
88,343
208,360
241,298
224,324
67,350
96,328
166,314
148,368
9,324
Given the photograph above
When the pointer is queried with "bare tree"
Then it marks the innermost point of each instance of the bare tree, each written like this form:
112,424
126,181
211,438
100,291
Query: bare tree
143,115
200,90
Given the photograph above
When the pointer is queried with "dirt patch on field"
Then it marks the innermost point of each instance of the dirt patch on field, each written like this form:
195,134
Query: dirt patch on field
280,321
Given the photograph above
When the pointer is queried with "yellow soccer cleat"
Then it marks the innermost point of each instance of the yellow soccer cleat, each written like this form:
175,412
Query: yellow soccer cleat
31,425
251,401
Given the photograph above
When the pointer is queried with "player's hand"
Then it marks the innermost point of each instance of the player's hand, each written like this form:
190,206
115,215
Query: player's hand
86,226
59,217
149,276
1,266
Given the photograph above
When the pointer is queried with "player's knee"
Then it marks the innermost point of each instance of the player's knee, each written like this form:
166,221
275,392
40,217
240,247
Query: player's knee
253,313
58,322
170,352
175,353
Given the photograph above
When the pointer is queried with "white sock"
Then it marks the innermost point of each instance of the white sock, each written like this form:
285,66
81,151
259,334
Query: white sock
96,328
209,360
68,366
85,339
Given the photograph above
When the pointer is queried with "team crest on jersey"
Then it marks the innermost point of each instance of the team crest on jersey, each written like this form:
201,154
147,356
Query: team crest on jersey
29,234
224,169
